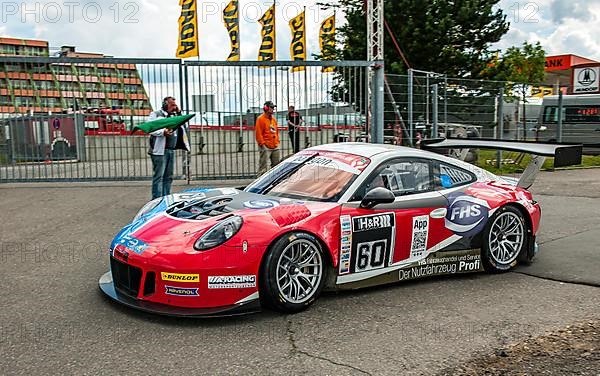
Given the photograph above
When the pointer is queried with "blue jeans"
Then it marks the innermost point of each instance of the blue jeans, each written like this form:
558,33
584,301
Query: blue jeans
162,173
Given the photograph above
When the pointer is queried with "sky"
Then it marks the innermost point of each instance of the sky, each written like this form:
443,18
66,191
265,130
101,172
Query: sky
148,28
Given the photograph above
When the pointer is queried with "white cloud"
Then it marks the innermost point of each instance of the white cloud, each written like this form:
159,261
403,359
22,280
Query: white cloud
561,26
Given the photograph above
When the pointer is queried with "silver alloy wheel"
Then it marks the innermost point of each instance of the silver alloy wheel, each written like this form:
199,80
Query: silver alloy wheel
506,238
299,271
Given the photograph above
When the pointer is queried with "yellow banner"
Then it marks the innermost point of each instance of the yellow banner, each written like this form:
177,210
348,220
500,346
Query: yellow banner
327,41
188,30
232,23
541,91
298,45
266,52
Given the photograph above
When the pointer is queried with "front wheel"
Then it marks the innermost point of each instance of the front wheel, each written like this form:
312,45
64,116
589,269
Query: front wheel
293,273
505,238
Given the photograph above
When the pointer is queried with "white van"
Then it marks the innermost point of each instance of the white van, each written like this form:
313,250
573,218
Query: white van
580,115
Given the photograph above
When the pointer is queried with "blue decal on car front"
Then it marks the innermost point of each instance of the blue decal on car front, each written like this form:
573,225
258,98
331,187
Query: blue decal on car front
467,215
132,243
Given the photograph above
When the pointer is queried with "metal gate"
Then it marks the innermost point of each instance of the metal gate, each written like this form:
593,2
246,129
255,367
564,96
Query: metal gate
54,135
228,98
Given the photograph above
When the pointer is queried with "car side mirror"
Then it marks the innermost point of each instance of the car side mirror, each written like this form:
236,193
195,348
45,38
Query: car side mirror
377,196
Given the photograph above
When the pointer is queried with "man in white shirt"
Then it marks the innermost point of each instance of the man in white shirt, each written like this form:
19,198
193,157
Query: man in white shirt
163,144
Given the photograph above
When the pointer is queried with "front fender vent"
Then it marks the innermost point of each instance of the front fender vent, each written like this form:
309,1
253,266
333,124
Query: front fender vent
286,215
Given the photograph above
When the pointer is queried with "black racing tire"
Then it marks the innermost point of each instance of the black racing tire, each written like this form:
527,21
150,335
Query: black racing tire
505,238
293,273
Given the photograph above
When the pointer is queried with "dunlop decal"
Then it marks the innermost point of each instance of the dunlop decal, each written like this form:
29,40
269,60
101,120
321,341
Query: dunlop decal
176,277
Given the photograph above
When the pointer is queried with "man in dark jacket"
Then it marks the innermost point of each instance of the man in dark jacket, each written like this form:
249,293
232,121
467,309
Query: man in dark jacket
294,119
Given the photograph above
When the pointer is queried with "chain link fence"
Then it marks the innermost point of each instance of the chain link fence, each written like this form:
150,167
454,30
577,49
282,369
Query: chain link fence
70,119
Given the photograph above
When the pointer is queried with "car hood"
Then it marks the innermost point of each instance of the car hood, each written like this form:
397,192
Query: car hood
168,227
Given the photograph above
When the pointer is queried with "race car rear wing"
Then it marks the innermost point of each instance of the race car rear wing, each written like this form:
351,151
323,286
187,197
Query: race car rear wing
564,154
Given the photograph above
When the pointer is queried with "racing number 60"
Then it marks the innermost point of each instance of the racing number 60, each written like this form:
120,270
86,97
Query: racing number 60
370,255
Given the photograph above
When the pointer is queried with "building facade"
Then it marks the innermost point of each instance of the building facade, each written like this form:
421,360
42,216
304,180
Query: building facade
56,87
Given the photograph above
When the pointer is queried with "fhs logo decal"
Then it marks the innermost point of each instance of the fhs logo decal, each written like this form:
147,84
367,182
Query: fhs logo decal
467,215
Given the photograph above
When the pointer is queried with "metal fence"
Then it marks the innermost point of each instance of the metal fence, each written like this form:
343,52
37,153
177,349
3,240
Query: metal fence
69,119
428,103
61,133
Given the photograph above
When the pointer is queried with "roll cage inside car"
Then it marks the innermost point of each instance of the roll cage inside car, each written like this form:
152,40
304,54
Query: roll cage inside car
406,175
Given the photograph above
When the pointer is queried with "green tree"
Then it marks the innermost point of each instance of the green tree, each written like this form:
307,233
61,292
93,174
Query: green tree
450,37
521,68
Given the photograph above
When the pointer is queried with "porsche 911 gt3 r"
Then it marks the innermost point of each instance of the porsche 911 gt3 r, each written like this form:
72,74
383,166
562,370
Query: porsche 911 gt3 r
338,216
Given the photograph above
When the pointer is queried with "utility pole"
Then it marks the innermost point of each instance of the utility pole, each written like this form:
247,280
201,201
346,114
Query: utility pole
375,42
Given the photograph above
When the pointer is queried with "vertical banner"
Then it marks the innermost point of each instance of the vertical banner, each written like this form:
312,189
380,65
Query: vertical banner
232,23
298,45
188,30
327,41
266,52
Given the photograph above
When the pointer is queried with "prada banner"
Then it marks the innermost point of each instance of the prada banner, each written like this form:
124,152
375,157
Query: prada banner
327,41
266,52
188,30
232,23
298,45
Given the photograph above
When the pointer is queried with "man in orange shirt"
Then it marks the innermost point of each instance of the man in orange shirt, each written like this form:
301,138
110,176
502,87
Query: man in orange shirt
267,137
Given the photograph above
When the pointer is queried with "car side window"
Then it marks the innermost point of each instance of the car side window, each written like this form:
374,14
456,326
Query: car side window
452,176
402,177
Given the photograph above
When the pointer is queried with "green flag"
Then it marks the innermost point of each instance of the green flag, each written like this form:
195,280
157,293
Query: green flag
172,122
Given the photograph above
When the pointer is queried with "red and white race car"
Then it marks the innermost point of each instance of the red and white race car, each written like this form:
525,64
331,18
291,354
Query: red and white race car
338,216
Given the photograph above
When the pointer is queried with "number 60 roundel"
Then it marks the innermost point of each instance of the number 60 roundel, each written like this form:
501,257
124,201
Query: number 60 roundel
372,242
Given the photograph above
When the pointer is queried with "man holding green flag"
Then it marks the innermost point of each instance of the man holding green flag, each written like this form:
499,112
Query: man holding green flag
166,136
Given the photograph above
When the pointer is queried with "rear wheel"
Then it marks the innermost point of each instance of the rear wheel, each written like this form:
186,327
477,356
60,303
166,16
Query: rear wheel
293,273
505,238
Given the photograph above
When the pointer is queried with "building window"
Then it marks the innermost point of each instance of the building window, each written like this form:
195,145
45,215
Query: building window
25,101
50,102
8,50
5,100
21,84
44,85
13,67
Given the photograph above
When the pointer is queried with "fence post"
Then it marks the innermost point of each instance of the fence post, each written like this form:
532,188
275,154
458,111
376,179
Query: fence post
377,104
560,117
410,103
187,158
241,136
80,137
445,100
500,125
434,93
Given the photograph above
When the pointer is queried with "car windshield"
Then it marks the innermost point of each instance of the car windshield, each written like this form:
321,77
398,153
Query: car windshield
312,175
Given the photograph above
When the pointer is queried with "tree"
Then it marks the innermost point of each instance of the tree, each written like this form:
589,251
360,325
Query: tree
450,37
520,68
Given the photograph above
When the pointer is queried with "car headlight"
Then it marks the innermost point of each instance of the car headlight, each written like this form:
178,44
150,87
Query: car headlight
219,233
146,208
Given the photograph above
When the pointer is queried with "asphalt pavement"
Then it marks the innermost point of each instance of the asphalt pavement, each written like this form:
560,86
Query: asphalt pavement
54,320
